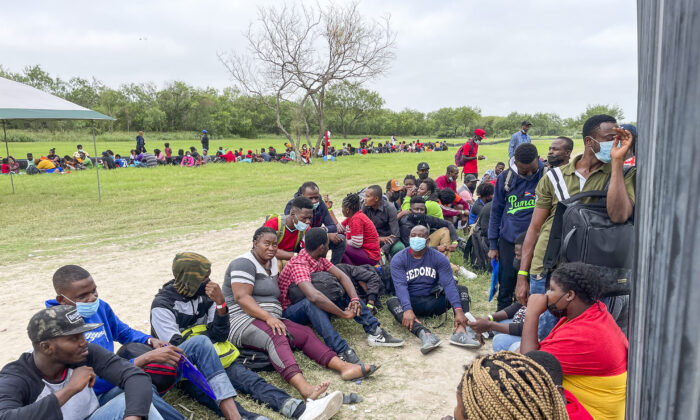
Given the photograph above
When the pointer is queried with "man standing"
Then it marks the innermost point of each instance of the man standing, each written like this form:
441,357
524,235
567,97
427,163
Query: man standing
416,273
140,143
205,140
469,153
55,380
383,215
513,203
423,170
449,180
606,146
519,138
321,217
560,152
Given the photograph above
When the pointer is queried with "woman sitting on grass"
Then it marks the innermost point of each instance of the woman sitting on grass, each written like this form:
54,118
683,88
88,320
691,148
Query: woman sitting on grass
587,341
187,160
252,295
362,236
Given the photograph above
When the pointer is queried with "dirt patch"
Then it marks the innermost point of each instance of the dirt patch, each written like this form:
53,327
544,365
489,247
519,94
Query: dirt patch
128,276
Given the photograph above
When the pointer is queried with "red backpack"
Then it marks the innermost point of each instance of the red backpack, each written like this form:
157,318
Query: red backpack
458,155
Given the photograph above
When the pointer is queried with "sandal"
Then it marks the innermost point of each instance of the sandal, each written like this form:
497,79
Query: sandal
352,398
367,373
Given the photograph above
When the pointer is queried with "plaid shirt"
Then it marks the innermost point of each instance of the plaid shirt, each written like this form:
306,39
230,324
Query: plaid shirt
297,270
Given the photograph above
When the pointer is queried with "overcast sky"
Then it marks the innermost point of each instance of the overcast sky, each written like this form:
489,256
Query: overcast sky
500,55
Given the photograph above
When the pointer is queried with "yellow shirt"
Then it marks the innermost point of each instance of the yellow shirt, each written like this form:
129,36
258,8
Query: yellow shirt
45,164
432,208
602,396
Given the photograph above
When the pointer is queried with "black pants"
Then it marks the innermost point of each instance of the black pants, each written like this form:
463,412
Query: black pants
338,249
506,273
423,306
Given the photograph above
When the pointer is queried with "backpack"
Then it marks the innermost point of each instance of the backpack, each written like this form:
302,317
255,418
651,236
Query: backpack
281,222
508,183
32,170
255,360
476,252
583,232
458,155
226,351
324,282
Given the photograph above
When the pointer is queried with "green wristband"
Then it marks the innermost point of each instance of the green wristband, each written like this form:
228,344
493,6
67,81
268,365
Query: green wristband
523,273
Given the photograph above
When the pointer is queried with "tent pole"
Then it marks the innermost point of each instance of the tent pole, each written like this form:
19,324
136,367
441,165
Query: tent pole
97,165
7,149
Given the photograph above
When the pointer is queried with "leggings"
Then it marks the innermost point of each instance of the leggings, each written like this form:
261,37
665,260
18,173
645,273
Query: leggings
357,256
259,336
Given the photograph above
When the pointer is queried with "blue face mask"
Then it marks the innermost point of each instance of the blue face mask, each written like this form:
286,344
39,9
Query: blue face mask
417,243
605,148
86,309
301,226
316,204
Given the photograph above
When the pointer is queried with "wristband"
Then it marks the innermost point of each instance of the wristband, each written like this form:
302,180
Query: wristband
523,273
455,242
490,317
355,299
149,342
370,306
222,306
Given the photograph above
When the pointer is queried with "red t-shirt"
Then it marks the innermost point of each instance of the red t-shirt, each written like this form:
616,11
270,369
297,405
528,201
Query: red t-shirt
442,183
168,152
298,270
574,408
289,237
363,229
5,168
364,151
470,149
591,344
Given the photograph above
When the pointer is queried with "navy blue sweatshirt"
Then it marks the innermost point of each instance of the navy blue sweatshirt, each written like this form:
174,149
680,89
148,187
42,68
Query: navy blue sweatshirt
321,216
511,212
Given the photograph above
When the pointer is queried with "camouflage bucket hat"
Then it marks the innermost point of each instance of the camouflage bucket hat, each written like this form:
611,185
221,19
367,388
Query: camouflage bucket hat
57,321
190,270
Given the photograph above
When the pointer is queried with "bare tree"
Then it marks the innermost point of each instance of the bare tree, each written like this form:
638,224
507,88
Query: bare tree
296,53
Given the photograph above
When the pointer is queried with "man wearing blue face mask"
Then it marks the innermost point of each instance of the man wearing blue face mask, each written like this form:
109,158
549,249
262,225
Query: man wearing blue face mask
425,286
606,147
291,228
321,218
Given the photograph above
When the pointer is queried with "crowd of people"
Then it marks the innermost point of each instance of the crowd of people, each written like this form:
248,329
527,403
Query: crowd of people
560,345
140,157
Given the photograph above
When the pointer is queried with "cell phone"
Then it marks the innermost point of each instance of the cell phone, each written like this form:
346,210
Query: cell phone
471,318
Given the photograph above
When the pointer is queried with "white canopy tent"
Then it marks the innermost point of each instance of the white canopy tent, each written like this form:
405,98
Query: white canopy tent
21,102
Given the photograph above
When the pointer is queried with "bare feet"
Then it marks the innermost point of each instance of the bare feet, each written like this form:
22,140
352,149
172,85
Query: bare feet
314,392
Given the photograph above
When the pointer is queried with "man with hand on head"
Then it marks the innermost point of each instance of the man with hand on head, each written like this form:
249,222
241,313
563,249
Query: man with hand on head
55,381
75,287
417,272
321,217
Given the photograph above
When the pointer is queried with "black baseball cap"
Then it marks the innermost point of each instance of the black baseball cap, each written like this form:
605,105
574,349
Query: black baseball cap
57,321
526,122
423,165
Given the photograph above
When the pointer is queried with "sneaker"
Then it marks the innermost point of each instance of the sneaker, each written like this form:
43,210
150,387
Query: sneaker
464,340
323,408
350,356
466,273
429,342
382,338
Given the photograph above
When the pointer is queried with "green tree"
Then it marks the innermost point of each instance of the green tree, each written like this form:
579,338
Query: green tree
351,103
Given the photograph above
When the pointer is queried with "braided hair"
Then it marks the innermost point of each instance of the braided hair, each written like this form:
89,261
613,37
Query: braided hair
352,202
259,232
508,385
583,279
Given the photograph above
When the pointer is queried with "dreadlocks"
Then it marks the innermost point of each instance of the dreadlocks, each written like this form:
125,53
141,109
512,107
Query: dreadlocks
508,385
352,202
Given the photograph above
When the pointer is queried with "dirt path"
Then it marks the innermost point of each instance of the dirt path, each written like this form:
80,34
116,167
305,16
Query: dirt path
422,387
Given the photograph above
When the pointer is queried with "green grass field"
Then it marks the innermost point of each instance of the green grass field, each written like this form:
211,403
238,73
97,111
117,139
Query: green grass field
52,215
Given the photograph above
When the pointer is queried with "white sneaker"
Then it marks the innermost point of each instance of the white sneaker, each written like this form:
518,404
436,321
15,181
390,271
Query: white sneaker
323,408
466,273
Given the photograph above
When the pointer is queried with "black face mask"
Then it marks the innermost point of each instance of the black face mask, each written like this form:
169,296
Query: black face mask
554,161
422,175
202,289
559,313
516,264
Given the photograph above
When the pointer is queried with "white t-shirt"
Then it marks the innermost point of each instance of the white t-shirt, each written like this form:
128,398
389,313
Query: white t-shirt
80,406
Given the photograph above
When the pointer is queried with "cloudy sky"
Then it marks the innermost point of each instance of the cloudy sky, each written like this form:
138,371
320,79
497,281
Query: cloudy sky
500,55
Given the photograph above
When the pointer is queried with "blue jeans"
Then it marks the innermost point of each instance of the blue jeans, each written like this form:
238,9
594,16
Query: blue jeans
547,320
502,341
200,351
114,410
167,411
249,382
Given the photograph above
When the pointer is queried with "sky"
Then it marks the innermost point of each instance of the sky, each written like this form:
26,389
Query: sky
499,55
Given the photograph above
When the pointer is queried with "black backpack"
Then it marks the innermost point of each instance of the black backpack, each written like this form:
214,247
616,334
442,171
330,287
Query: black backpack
583,232
324,281
255,360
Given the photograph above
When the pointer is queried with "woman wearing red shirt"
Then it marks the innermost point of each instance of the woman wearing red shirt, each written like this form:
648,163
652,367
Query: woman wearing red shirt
361,234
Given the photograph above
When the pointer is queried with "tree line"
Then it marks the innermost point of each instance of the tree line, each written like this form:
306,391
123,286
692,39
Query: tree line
350,110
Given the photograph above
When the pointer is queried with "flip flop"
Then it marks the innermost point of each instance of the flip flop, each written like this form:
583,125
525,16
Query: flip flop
352,398
367,373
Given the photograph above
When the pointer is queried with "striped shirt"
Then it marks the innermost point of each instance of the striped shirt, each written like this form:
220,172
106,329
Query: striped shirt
247,270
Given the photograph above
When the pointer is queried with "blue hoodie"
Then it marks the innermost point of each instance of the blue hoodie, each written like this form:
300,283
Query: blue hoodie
113,329
511,214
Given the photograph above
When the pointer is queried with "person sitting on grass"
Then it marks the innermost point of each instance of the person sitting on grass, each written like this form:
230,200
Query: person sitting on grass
75,287
255,313
315,308
192,300
291,228
507,385
322,217
507,323
362,236
47,165
187,160
383,215
54,381
587,341
449,179
492,174
5,168
160,156
425,286
485,194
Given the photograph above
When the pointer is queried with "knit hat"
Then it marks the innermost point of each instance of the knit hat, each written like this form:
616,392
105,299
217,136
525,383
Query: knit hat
190,270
